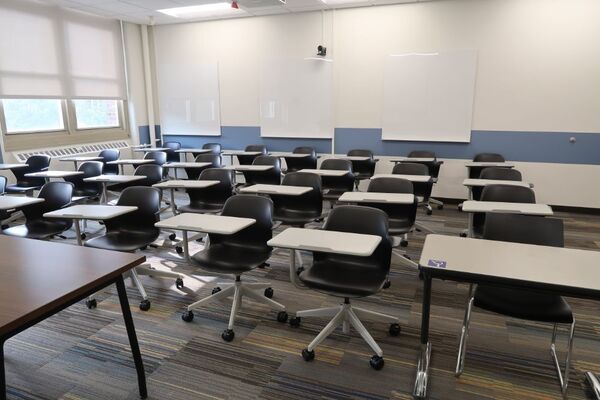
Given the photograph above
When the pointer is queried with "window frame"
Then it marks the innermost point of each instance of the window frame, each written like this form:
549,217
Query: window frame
120,115
64,114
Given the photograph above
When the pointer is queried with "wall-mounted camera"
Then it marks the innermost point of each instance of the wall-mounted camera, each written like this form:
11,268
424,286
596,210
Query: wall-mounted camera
321,51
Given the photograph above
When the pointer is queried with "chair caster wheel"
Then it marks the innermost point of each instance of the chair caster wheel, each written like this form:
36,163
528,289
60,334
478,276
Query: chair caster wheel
228,335
263,265
216,290
92,303
407,256
179,283
403,243
299,270
429,212
295,322
308,355
83,236
440,207
394,329
462,234
145,305
387,284
172,237
188,316
376,362
282,316
143,247
179,249
269,293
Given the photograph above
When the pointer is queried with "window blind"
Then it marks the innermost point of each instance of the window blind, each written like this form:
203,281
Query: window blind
52,52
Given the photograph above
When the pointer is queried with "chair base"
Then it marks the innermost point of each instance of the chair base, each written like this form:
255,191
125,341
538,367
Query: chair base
346,316
237,290
462,347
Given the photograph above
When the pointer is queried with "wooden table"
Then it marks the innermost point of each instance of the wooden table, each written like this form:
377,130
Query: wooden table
38,279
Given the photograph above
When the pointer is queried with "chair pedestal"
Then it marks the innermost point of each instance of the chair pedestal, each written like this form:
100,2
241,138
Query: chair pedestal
237,290
346,316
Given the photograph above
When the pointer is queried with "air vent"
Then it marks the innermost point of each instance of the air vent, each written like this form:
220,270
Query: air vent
22,156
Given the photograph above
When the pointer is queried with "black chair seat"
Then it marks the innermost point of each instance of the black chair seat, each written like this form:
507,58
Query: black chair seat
294,217
85,192
124,240
362,175
357,280
21,189
523,304
229,259
400,226
39,229
201,207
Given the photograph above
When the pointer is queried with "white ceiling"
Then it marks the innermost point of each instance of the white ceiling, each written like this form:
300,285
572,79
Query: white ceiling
140,11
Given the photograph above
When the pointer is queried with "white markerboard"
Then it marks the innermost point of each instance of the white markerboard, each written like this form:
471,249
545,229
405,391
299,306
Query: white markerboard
296,98
189,98
429,96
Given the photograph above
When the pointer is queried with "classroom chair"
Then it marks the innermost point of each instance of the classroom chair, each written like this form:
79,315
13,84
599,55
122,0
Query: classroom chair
269,177
82,189
496,173
474,172
172,156
56,195
422,189
501,193
25,184
299,210
362,169
350,277
434,169
4,214
134,231
522,303
152,174
296,164
210,200
214,147
335,186
247,160
110,155
236,254
212,158
158,157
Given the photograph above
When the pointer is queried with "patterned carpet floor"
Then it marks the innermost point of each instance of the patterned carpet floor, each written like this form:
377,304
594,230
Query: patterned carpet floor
84,354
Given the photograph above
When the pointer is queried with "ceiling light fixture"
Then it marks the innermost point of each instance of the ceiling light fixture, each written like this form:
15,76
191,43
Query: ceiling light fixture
204,10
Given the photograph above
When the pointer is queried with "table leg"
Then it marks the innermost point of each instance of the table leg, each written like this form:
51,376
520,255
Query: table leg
2,375
471,217
470,197
175,172
422,378
186,247
133,342
122,169
77,232
75,163
594,384
173,206
104,197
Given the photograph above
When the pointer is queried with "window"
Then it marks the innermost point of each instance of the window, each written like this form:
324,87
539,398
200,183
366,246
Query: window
33,115
97,113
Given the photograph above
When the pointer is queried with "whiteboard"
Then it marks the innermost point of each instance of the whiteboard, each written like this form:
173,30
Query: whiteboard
429,96
189,98
296,98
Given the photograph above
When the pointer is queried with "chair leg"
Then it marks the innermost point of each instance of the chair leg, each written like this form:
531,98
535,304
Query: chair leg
224,293
259,297
319,312
329,328
237,302
138,284
563,380
360,328
464,335
147,270
369,315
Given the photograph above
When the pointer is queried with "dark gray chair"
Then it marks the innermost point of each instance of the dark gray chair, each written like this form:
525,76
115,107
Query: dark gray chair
421,189
362,169
474,172
110,155
172,155
434,169
213,159
210,200
495,173
25,184
335,186
269,177
296,164
82,188
248,160
520,303
299,210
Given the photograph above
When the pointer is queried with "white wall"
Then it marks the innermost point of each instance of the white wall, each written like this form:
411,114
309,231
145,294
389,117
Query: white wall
538,59
138,114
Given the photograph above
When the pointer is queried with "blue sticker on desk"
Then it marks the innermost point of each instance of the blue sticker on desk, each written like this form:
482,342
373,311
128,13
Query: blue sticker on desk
436,263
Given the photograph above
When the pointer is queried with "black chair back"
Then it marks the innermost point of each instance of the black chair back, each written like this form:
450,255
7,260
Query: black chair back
36,163
503,174
299,210
159,157
501,193
110,155
153,174
55,194
404,212
216,194
142,220
363,169
474,172
89,169
172,156
248,160
212,158
214,147
421,189
434,167
271,176
254,237
338,184
296,164
365,220
525,229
